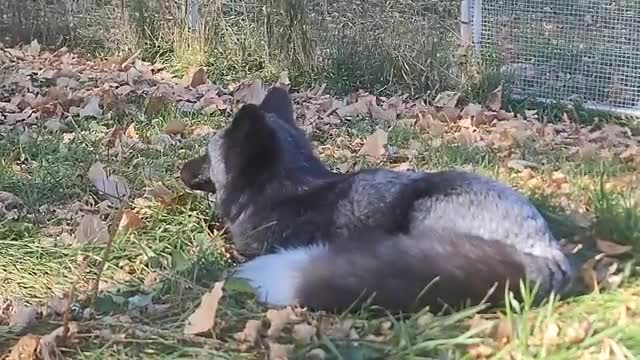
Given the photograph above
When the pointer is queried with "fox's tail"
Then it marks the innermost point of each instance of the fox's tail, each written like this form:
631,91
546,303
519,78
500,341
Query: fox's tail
399,272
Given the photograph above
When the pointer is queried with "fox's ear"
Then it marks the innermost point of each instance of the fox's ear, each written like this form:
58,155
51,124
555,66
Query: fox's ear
250,143
278,102
195,174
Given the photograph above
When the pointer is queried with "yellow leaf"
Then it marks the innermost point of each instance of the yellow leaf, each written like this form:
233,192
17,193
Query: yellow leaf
374,147
175,127
130,221
204,317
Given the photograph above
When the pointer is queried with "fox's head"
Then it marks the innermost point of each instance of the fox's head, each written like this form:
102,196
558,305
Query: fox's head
261,144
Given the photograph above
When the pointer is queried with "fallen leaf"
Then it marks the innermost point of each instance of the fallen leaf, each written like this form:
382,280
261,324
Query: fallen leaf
374,146
279,351
494,100
503,115
472,111
161,194
130,221
380,115
304,333
23,317
203,318
447,98
250,92
92,108
197,77
577,332
612,249
250,334
428,124
480,351
154,105
131,132
175,127
278,320
92,230
27,348
360,107
113,186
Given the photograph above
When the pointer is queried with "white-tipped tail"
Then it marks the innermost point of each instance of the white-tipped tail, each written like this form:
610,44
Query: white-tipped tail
276,277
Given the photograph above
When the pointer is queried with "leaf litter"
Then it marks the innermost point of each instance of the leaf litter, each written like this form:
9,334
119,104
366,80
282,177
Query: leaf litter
88,89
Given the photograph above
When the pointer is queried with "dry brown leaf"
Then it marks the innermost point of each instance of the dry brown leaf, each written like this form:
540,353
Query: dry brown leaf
360,107
92,108
130,221
304,333
374,147
447,99
279,351
480,351
154,105
428,124
278,320
161,194
250,92
576,333
113,186
482,326
612,249
204,317
197,77
472,111
494,100
504,115
175,127
27,348
449,114
380,115
250,334
131,132
91,230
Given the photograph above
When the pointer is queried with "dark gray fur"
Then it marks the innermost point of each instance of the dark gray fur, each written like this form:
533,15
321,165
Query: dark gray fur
393,229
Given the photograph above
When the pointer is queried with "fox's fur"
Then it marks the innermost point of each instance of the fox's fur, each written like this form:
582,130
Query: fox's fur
399,239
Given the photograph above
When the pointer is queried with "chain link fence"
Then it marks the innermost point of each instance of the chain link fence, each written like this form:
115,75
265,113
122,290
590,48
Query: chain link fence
584,50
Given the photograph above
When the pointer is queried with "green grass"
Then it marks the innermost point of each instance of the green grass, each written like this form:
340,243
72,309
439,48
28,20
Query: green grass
177,244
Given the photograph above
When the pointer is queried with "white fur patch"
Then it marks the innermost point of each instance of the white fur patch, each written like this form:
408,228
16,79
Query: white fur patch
275,277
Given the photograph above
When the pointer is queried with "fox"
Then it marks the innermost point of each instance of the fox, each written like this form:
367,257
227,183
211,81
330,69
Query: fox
400,240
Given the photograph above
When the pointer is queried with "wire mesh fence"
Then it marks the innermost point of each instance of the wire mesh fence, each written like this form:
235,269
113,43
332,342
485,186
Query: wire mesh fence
585,50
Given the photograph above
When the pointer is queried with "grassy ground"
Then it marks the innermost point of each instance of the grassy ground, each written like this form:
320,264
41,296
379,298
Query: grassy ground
176,255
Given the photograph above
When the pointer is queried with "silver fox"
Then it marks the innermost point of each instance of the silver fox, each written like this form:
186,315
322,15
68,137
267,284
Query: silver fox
400,240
